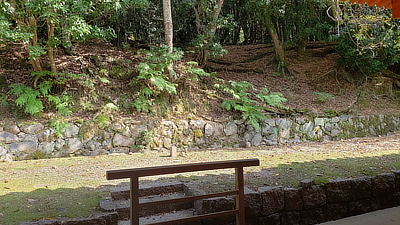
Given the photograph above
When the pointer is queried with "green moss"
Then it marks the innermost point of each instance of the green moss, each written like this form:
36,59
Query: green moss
88,130
37,155
198,134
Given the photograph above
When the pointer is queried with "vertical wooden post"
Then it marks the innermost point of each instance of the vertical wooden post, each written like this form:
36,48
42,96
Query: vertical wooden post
135,200
240,217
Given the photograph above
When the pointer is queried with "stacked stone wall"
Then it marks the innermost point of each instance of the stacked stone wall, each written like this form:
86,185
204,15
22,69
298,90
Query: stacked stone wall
313,204
86,138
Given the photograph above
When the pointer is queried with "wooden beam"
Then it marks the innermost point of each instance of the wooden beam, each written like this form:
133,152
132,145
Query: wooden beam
161,170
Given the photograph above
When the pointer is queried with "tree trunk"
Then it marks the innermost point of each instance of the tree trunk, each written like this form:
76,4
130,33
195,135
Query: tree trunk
168,26
219,4
36,62
50,48
278,47
197,15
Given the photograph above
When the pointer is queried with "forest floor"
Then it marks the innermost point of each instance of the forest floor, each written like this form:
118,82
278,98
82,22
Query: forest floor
314,84
35,189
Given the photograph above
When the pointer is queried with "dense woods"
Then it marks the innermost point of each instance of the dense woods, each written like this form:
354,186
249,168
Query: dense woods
366,39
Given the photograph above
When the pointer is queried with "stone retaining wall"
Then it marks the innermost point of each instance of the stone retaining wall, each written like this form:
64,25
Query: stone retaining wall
313,204
38,140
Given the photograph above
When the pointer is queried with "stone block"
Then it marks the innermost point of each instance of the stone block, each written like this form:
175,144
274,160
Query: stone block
71,131
361,188
306,183
360,206
290,218
311,216
272,219
313,197
252,203
73,145
256,141
27,137
273,199
46,147
383,184
32,128
338,191
397,179
293,199
137,130
26,147
47,136
14,129
383,202
122,141
231,129
197,124
335,211
8,138
212,205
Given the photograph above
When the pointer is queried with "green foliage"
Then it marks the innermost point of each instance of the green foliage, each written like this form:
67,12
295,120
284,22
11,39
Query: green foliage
157,78
46,24
241,100
103,118
3,99
369,41
35,51
59,124
323,97
146,137
156,70
32,100
274,99
27,98
143,100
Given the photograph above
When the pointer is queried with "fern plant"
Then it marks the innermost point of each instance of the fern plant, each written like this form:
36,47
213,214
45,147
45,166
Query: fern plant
323,97
156,76
274,99
241,99
31,100
27,98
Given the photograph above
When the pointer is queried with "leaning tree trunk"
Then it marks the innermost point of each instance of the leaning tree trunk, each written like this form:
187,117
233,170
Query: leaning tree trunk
278,47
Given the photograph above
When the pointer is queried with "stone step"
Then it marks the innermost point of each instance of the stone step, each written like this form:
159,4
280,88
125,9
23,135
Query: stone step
120,193
123,206
165,217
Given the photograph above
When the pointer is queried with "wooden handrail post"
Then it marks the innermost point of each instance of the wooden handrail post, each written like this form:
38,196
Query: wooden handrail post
134,200
239,180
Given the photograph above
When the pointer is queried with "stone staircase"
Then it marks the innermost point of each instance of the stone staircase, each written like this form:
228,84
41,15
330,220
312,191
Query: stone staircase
119,202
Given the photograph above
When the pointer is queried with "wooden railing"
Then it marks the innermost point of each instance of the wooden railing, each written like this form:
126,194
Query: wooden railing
135,173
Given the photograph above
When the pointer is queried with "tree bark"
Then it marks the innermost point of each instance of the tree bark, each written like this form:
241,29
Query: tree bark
219,4
36,63
50,48
168,26
278,47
